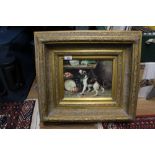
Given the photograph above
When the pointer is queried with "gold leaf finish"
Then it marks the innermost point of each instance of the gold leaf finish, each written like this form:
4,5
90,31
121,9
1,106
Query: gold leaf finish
123,48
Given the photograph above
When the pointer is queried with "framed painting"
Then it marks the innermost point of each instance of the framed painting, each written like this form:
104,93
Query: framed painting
87,75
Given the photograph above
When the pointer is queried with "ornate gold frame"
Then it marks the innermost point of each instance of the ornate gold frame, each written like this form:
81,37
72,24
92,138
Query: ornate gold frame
122,47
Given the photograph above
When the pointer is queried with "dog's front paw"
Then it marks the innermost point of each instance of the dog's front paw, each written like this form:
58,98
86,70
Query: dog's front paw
81,93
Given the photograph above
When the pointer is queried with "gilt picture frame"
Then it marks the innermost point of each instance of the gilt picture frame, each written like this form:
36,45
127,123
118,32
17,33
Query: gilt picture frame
87,76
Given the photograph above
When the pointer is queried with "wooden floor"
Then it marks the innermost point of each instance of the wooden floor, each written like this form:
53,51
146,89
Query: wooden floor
144,107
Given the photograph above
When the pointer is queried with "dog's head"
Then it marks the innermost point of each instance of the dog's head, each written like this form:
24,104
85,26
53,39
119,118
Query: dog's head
82,72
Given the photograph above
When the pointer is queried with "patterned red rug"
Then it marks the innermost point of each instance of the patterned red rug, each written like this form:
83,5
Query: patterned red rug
141,122
16,115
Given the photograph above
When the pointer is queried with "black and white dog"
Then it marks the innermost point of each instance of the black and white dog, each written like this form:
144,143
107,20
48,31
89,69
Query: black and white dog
90,81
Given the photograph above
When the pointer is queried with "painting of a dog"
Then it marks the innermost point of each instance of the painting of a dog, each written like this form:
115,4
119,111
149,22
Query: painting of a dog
88,78
90,82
